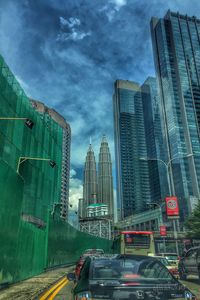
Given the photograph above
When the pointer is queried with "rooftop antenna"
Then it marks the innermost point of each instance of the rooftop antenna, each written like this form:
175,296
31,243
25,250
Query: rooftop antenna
90,140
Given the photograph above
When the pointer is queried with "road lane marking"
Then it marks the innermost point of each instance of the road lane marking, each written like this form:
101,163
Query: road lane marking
44,297
58,289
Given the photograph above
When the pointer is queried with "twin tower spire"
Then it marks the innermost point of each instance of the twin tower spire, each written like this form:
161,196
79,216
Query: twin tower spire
98,188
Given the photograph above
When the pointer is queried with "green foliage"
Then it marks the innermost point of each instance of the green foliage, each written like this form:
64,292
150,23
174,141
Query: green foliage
192,224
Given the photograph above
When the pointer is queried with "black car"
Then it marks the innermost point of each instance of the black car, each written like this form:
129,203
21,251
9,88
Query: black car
189,264
121,277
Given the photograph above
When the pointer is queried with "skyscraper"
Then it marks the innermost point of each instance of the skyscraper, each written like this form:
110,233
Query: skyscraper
133,190
65,131
90,181
105,179
176,47
152,135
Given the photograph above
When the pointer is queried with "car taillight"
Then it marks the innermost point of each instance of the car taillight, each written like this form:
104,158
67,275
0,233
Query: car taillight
174,271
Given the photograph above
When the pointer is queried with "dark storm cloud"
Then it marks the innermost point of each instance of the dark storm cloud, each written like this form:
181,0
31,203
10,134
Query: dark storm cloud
69,53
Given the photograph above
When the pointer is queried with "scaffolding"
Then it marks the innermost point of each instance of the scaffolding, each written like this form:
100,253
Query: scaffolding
97,226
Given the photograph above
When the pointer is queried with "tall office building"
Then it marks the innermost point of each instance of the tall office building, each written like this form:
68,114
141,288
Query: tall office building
48,114
152,135
90,181
133,191
176,47
105,179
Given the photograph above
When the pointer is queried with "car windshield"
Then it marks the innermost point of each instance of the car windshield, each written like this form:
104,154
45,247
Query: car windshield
171,257
163,260
130,269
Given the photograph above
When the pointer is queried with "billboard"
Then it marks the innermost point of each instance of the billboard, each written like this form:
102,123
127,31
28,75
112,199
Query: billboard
163,230
172,208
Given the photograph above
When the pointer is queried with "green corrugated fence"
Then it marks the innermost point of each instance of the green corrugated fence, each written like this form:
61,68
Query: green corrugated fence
31,238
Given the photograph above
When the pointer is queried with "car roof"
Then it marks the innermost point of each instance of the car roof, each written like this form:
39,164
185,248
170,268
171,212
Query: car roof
167,253
122,256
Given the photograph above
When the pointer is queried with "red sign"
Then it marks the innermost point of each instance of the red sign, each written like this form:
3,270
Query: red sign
163,230
172,206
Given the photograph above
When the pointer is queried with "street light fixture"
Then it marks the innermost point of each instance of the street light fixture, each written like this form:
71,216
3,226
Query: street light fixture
170,183
161,219
21,159
29,123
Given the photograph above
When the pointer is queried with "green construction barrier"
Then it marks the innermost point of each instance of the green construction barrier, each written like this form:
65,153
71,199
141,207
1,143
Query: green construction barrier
66,244
32,235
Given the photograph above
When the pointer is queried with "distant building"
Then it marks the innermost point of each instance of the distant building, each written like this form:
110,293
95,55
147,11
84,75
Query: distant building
105,179
97,210
48,113
133,190
80,207
153,137
176,50
90,181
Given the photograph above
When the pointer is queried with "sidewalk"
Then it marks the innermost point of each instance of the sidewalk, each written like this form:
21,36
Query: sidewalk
30,289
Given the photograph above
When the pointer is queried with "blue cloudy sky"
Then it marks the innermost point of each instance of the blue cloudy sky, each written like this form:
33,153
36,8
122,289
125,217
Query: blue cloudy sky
68,53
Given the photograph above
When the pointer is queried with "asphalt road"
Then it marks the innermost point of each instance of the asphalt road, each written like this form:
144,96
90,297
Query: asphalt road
192,283
35,288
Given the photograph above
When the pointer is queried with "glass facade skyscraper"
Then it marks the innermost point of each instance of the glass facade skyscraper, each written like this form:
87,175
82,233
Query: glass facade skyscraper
153,135
133,190
176,47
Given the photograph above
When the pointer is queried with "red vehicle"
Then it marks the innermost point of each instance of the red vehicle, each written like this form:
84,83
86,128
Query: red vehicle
79,265
88,252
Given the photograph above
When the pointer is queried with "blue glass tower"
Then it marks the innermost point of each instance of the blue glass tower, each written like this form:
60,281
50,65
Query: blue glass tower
176,47
153,136
133,191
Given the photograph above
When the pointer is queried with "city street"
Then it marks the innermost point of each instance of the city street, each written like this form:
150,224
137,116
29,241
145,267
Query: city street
48,286
192,284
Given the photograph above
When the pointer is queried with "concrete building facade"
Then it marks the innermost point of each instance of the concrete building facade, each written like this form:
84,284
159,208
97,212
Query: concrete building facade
48,113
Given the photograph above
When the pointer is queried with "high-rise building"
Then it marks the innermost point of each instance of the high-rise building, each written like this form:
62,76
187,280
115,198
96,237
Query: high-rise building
133,191
153,135
90,181
176,47
105,179
48,114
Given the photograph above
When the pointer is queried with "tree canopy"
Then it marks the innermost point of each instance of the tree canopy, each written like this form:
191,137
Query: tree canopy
192,223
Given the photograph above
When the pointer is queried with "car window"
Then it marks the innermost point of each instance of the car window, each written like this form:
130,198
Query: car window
154,270
129,269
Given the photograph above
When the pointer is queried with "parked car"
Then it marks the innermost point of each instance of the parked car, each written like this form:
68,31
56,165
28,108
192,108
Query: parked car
172,258
123,277
189,264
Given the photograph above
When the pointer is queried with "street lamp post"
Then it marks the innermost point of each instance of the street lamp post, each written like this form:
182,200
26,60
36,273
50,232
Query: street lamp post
28,122
21,159
170,185
161,219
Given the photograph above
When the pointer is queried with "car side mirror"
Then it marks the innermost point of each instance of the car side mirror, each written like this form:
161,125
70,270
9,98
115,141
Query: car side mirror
71,276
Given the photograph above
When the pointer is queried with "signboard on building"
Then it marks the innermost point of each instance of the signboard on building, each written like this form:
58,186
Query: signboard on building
163,230
172,208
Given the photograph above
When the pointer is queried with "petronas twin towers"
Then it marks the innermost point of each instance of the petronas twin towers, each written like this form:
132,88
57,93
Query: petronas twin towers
98,189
